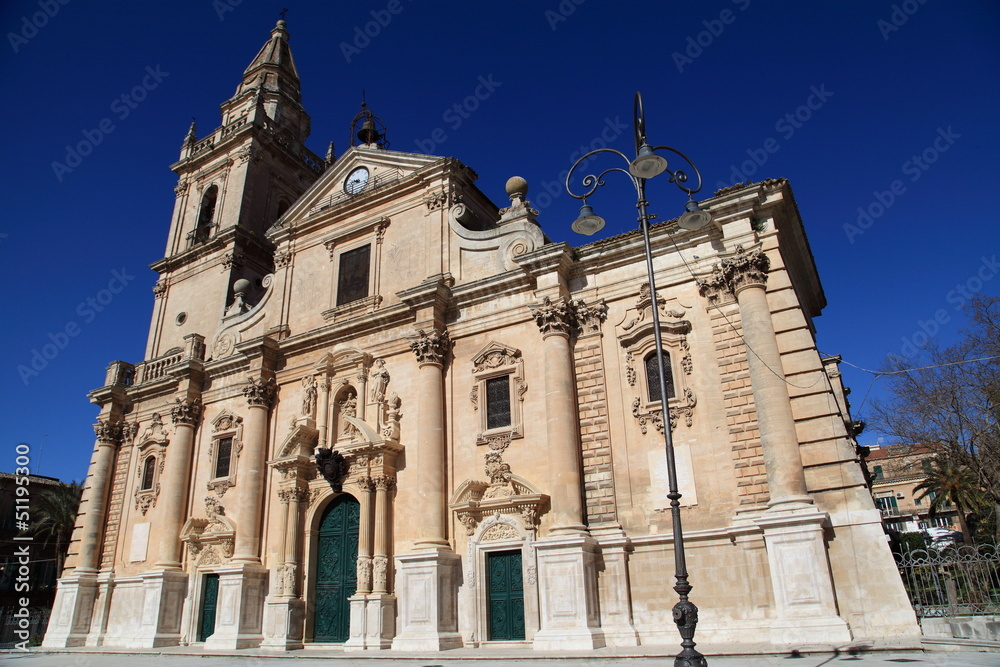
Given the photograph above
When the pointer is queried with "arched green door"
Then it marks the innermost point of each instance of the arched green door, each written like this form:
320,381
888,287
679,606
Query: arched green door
336,569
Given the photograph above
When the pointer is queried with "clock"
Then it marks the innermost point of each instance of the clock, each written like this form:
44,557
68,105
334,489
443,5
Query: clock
356,181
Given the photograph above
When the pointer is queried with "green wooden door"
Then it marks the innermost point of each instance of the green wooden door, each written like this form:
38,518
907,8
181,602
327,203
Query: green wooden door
209,601
506,590
336,569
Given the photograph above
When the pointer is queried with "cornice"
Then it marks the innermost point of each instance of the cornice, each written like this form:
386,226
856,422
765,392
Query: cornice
226,239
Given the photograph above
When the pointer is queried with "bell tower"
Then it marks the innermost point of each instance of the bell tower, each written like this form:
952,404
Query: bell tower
233,184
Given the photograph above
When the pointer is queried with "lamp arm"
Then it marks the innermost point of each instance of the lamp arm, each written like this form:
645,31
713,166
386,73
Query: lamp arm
591,181
678,177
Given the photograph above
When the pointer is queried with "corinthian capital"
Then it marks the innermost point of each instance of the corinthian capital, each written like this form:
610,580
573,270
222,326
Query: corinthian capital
589,316
743,269
553,317
430,348
109,432
186,411
259,392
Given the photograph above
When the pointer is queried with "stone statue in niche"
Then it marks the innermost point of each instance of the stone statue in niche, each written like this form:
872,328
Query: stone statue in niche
348,408
309,398
380,377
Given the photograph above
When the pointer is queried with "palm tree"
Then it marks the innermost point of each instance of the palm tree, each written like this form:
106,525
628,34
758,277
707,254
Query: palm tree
55,510
950,482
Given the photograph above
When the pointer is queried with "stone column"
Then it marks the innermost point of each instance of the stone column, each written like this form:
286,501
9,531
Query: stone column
259,393
429,577
380,577
373,608
176,477
567,569
744,275
554,319
323,411
73,609
284,613
242,587
431,350
94,512
801,581
367,527
166,586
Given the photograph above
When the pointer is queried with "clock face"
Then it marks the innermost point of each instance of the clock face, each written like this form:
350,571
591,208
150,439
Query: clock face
356,181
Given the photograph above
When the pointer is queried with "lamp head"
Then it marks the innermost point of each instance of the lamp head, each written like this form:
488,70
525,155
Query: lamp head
694,218
647,164
588,223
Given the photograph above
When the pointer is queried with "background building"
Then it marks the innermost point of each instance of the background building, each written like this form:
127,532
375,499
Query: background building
376,409
896,471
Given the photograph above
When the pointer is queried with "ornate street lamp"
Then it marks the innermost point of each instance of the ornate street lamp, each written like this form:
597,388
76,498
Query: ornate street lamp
647,164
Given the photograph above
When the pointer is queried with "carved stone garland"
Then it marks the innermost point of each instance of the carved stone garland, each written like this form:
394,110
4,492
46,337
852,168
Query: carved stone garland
211,539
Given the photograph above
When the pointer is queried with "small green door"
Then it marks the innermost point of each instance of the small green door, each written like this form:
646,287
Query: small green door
506,590
209,601
336,569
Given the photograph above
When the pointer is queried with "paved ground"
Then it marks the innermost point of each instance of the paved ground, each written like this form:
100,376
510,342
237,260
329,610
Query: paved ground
169,658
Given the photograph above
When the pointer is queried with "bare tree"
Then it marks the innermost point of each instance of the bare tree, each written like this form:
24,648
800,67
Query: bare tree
949,398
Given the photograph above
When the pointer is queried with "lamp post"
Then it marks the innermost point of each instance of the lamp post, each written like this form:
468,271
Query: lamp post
647,164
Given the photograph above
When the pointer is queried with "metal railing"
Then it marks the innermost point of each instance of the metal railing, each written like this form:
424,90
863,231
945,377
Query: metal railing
377,182
955,581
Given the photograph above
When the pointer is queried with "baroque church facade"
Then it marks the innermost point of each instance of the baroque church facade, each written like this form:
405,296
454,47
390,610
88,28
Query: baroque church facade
380,412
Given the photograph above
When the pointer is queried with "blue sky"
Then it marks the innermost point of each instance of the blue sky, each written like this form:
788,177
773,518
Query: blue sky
886,107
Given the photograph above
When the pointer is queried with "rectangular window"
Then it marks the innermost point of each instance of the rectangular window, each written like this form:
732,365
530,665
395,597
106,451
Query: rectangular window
877,474
223,456
352,281
498,402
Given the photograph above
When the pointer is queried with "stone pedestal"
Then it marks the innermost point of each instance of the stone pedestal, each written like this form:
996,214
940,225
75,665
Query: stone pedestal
284,620
804,603
239,612
613,585
427,587
373,622
567,580
102,609
72,611
163,594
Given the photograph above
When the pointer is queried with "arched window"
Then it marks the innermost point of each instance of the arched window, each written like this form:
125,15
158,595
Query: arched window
148,468
206,214
282,207
653,376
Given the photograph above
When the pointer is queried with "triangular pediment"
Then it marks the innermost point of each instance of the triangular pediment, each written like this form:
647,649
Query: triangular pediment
382,169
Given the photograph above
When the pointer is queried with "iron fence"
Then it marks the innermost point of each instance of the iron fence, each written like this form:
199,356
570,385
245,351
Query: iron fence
954,581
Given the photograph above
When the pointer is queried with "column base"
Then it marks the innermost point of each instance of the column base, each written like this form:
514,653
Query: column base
72,611
284,621
804,602
239,614
427,587
163,594
373,622
567,581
